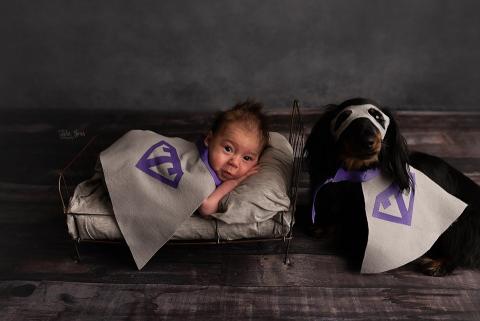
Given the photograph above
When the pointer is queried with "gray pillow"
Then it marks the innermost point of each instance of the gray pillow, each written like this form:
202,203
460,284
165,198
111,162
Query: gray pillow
262,195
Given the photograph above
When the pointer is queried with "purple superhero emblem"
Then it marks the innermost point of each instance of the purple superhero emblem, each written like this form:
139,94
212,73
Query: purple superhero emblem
168,175
383,200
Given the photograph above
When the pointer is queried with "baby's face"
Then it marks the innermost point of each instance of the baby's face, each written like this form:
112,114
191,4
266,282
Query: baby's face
233,150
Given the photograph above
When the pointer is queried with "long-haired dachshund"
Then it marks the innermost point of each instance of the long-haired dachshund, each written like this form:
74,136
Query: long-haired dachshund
375,142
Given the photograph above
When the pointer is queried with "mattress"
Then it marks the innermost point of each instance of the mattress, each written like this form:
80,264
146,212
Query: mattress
90,217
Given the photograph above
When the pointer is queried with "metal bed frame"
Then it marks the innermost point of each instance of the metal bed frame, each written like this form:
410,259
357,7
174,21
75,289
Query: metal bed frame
296,139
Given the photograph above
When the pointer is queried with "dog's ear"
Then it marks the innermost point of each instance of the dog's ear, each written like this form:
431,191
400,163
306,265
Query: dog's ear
320,150
394,155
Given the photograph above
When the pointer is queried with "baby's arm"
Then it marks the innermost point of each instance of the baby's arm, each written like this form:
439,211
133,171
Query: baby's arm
210,204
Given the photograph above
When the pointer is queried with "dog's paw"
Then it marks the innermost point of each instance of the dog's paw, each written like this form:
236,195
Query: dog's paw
435,267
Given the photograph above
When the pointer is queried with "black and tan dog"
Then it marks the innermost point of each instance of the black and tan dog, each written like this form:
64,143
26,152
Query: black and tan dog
339,140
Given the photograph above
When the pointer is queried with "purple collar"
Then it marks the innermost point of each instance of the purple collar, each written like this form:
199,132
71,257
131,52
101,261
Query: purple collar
354,176
203,151
343,175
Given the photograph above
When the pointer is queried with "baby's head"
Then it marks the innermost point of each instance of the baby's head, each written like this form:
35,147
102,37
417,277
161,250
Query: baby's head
236,140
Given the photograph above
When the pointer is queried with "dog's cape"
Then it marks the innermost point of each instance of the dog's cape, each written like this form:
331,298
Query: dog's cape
401,226
155,183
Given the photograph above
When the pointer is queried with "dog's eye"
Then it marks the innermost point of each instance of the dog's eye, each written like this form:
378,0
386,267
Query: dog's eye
341,118
378,116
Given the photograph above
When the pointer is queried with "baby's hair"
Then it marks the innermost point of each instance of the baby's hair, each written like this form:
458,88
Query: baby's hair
250,113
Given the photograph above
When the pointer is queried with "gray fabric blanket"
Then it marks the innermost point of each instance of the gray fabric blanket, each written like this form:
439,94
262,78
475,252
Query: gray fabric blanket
155,183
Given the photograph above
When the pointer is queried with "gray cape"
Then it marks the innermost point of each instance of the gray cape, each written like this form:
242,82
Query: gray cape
401,226
155,183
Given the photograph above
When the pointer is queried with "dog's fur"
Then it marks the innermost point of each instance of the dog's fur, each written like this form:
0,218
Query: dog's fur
360,147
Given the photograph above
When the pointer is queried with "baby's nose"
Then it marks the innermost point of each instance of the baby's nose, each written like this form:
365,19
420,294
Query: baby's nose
234,161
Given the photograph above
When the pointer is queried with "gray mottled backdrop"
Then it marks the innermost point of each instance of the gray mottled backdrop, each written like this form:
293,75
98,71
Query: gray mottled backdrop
205,55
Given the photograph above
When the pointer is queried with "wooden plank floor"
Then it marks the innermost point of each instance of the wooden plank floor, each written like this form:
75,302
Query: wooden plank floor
39,281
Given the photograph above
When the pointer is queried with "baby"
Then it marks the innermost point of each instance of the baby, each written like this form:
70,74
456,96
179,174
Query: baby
235,143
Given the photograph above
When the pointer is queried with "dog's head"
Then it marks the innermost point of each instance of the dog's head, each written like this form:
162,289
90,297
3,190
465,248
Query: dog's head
357,134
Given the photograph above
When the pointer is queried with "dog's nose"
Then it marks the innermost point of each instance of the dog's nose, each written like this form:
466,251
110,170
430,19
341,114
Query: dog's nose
367,137
368,141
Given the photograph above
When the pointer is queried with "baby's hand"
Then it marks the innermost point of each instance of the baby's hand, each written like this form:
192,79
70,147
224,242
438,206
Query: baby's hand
250,172
210,204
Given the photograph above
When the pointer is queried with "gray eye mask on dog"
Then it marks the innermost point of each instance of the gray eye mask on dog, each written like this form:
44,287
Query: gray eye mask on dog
371,112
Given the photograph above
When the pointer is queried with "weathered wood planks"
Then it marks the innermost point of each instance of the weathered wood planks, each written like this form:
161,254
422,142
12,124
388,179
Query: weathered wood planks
45,300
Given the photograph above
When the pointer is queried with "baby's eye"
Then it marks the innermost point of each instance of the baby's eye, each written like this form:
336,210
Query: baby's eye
228,149
248,158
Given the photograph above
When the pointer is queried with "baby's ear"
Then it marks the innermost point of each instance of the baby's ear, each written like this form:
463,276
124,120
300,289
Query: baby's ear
208,138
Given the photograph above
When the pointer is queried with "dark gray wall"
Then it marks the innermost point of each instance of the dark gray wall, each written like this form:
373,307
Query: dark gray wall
208,54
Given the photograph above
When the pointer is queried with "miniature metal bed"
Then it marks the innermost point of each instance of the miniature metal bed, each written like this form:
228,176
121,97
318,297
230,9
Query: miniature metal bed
296,140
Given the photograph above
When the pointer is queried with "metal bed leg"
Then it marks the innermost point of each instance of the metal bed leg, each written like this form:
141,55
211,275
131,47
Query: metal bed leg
286,260
76,253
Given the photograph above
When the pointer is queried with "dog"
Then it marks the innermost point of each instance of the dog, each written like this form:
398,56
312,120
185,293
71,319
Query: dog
374,141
